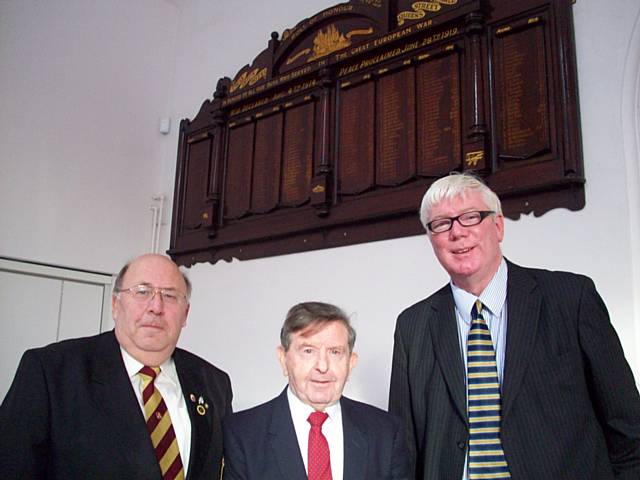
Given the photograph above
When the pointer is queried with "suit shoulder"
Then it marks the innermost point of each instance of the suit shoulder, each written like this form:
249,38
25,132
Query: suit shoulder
71,348
250,417
418,310
193,361
370,414
552,280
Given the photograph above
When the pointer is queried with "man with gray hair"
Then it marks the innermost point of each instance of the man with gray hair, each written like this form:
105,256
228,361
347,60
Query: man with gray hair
310,430
125,403
508,372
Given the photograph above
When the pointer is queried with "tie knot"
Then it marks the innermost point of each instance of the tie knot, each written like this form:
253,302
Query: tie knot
316,419
151,372
476,311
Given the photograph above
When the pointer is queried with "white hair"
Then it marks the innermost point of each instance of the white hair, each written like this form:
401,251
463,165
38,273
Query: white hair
456,185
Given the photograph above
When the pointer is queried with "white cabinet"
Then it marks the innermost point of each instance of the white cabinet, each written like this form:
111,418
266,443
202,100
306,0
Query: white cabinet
42,304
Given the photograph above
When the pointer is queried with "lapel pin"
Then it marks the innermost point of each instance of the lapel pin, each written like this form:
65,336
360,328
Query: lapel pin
201,406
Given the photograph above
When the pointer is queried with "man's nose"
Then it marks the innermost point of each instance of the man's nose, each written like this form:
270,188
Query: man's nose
323,363
457,229
156,304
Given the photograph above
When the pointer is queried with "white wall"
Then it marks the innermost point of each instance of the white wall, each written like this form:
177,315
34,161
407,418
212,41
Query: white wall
163,59
82,88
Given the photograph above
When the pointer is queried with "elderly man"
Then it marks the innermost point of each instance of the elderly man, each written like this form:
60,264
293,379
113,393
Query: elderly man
310,430
508,372
123,404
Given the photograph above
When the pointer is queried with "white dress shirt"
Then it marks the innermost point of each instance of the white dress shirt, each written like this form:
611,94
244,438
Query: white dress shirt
168,385
331,429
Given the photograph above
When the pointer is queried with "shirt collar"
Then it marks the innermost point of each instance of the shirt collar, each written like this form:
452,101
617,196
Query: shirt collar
133,366
301,410
492,297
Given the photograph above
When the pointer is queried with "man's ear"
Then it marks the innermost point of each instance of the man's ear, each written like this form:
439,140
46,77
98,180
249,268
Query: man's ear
280,351
114,310
186,314
353,361
499,221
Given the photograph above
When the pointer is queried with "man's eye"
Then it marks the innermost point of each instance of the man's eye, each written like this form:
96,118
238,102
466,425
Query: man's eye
307,350
471,216
439,224
142,292
336,352
170,295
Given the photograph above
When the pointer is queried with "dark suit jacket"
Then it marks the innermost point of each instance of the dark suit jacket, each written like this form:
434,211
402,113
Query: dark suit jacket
71,413
570,407
261,443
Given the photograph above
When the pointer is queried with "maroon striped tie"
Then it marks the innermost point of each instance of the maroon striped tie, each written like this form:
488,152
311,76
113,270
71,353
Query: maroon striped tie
319,460
163,437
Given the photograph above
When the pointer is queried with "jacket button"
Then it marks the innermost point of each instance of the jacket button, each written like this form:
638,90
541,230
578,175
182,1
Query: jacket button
462,444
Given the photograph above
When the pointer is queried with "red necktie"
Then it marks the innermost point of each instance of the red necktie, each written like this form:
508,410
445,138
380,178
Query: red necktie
163,437
319,461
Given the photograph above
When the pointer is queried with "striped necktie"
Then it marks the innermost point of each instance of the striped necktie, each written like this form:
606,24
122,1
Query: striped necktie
163,437
486,456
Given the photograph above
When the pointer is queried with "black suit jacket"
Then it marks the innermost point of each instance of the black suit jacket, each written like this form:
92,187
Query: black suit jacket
571,409
261,443
71,413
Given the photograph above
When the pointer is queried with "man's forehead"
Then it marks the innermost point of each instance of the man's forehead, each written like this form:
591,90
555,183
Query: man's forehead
318,332
151,270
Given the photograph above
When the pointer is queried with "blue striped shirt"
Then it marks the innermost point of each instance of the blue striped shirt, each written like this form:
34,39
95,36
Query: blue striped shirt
494,312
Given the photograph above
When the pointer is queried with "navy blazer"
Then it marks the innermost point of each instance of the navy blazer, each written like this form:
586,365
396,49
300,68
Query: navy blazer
261,443
570,406
71,413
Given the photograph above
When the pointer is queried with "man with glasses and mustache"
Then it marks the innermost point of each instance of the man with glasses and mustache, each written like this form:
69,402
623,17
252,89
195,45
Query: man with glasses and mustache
508,372
122,404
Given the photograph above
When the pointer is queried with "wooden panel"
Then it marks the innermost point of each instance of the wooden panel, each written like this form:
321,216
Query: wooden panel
297,161
195,213
237,199
439,141
356,162
265,190
396,133
522,93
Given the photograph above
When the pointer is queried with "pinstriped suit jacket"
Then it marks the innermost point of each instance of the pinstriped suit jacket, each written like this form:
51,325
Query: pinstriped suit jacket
571,409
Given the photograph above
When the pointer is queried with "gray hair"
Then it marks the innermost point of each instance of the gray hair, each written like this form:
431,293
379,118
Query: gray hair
456,185
314,315
117,284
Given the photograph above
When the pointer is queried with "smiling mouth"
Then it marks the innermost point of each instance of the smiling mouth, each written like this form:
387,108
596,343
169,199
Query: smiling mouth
462,251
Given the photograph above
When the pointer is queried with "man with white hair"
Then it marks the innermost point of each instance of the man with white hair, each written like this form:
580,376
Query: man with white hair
508,372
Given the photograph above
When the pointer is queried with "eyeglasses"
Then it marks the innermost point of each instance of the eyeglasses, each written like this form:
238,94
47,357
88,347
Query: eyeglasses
145,293
466,219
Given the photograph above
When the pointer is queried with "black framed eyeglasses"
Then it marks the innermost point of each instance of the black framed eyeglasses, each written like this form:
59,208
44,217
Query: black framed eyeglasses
466,219
145,293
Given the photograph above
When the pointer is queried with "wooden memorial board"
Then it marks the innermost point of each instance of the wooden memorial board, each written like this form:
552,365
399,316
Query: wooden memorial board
334,132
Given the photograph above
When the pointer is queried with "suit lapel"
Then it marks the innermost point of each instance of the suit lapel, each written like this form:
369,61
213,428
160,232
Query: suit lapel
201,425
116,401
523,312
444,331
284,443
356,447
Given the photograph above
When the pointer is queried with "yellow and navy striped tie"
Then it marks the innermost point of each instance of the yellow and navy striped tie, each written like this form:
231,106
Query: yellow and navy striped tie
163,437
486,456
